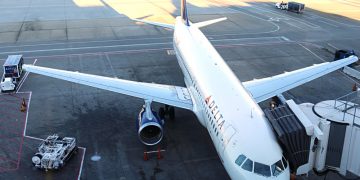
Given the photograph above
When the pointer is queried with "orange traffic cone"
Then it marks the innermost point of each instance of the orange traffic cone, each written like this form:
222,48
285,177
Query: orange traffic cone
146,156
23,106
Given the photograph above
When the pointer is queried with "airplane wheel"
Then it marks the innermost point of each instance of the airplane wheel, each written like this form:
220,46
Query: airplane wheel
161,113
172,112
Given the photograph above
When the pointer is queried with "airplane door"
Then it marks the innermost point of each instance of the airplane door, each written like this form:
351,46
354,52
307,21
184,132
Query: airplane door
226,136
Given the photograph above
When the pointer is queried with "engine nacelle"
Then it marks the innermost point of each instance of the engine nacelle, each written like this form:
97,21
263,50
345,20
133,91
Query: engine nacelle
149,126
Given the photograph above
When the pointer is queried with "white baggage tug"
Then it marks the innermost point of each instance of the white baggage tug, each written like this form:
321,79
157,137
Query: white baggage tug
53,152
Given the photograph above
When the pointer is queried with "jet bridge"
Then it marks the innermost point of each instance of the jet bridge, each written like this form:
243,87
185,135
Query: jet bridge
323,136
297,135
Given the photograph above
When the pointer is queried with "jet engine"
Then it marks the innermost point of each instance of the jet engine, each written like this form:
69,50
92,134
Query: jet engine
149,126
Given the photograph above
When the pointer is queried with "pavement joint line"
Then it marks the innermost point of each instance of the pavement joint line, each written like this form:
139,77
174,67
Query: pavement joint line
83,42
121,45
88,47
142,50
328,23
130,45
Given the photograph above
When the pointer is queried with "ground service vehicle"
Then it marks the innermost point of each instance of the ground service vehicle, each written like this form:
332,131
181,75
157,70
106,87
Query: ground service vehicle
12,72
290,6
295,7
53,152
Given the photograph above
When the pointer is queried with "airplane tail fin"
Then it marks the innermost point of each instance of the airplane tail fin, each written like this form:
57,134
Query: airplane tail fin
184,13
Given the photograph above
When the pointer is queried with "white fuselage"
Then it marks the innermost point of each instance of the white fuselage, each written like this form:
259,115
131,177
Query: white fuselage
234,120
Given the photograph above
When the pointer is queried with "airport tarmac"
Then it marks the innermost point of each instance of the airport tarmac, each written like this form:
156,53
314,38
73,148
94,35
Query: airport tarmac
256,41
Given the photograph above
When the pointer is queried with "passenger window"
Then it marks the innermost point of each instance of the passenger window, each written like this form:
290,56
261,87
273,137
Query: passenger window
240,159
262,169
284,162
248,165
277,168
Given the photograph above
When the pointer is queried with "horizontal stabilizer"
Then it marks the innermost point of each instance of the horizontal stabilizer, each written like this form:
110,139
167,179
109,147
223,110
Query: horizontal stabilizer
209,22
164,25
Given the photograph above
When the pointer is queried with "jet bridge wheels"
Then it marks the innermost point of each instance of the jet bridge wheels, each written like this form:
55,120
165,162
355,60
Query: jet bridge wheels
167,110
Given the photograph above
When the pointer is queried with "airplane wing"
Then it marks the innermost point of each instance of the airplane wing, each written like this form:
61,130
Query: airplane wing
262,89
171,95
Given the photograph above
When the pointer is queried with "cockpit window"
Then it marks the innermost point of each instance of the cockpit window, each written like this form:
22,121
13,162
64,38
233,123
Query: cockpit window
240,159
262,169
277,168
248,165
284,162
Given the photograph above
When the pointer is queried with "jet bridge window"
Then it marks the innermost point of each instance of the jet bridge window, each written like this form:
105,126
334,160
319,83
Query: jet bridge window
240,159
248,165
262,169
277,168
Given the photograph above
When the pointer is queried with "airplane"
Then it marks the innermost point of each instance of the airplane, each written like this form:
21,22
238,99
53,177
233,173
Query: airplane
226,107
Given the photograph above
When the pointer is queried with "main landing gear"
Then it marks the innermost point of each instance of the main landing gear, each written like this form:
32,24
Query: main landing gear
167,110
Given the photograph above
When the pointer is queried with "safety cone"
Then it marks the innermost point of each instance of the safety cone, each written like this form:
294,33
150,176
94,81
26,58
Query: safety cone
23,106
159,153
146,156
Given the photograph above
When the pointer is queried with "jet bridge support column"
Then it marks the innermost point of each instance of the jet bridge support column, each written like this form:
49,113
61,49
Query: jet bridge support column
323,144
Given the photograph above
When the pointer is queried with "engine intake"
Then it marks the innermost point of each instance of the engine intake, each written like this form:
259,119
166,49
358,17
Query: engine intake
150,130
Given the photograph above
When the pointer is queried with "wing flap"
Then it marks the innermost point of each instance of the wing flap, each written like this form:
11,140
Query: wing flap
156,92
262,89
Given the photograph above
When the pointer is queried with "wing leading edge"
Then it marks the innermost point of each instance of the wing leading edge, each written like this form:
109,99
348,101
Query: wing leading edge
262,89
171,95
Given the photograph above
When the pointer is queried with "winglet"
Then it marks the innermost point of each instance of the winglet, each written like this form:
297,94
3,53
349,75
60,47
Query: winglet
209,22
164,25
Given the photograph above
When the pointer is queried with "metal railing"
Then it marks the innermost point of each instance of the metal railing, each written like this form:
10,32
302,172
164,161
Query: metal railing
348,102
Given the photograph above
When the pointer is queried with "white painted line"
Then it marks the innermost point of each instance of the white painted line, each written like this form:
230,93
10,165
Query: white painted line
27,114
35,138
312,53
309,24
285,38
130,45
82,162
221,4
236,39
328,23
81,42
287,22
82,48
332,46
161,150
326,61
